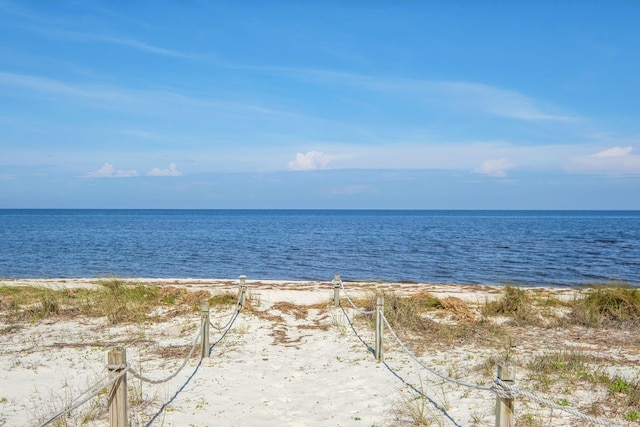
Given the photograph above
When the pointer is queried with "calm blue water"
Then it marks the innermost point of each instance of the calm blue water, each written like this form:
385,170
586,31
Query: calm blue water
520,247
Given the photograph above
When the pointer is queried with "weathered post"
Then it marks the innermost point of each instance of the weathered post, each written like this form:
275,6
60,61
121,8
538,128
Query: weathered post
379,328
204,325
116,363
243,290
336,289
505,415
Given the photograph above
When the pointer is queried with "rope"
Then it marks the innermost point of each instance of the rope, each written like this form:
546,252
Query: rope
433,371
355,307
231,319
231,322
141,377
501,388
414,388
97,388
353,328
236,309
573,411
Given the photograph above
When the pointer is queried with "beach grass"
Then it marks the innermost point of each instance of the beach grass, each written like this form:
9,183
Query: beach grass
118,300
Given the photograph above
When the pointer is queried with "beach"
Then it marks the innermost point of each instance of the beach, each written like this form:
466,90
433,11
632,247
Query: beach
291,358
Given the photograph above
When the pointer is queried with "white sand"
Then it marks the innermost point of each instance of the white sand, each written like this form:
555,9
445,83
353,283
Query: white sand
302,372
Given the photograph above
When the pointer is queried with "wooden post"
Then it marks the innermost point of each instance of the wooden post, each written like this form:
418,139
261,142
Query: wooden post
336,289
505,414
116,361
204,342
243,290
379,329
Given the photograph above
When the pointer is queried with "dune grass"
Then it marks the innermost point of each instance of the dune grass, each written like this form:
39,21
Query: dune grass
619,305
117,300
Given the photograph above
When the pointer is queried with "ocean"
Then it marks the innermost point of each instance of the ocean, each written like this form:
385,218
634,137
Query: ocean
471,247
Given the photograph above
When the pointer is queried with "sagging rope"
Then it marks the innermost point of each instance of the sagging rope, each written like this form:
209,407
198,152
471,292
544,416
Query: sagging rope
167,403
414,388
141,377
501,388
433,371
355,307
236,310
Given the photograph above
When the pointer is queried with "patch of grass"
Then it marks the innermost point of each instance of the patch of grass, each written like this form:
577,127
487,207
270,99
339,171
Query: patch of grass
608,305
560,363
530,420
117,300
631,415
619,385
223,299
425,300
121,301
515,303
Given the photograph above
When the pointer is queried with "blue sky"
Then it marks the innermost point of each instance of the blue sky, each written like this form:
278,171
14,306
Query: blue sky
320,104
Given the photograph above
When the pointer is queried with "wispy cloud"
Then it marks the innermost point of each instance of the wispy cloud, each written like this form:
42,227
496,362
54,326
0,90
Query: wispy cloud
139,45
613,152
147,102
313,160
500,102
109,171
471,96
82,37
42,84
171,171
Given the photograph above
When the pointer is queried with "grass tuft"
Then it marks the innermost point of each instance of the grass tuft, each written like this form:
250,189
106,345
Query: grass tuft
611,305
515,302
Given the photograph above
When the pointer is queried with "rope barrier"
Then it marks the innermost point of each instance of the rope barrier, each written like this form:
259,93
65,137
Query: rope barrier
353,328
231,322
501,388
355,307
414,388
433,371
236,310
96,388
141,377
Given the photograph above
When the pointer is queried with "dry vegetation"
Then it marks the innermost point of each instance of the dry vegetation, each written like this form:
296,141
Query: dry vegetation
116,300
561,347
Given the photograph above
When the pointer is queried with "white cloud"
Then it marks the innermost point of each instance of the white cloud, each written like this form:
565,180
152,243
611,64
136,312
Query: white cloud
494,167
109,171
172,171
615,161
313,160
613,152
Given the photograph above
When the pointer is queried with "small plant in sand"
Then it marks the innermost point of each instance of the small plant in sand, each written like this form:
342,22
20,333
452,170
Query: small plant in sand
417,411
515,303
